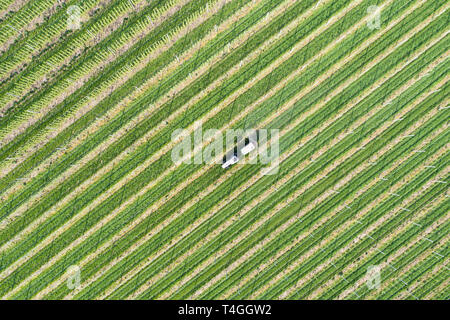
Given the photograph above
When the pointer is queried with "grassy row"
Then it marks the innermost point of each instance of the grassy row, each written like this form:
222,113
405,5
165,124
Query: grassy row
234,276
409,257
431,286
357,251
187,222
4,4
70,158
443,295
298,272
134,109
22,17
253,214
134,162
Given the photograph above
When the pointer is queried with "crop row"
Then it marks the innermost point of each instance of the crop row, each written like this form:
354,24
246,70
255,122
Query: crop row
13,25
187,222
96,58
42,179
18,86
424,266
76,222
437,282
144,155
311,122
346,215
381,232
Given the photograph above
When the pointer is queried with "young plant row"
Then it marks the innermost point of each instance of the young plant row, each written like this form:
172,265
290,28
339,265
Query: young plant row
381,232
346,215
86,63
12,26
422,267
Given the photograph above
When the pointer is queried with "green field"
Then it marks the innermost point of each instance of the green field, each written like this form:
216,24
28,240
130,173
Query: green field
93,206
